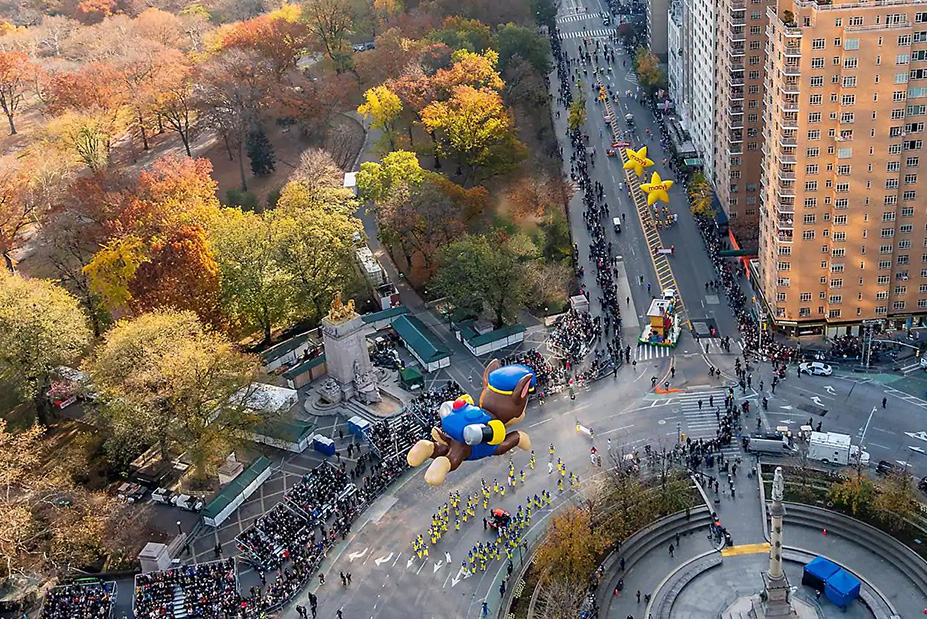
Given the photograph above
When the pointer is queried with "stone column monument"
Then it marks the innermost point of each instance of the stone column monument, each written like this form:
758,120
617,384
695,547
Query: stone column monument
350,372
774,601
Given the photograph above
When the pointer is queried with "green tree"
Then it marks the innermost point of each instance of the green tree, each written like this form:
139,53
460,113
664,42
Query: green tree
41,327
649,73
256,292
526,43
480,273
375,181
544,11
383,107
315,245
260,153
166,376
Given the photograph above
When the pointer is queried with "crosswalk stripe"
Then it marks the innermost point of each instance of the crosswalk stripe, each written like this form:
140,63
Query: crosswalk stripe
646,352
602,32
577,17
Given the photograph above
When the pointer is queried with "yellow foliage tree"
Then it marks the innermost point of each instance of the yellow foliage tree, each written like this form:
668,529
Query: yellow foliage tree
383,107
113,268
474,126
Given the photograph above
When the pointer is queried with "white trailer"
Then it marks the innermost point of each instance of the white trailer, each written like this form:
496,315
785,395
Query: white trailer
835,448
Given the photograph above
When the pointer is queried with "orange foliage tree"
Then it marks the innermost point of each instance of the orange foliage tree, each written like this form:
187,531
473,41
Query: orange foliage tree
278,40
15,72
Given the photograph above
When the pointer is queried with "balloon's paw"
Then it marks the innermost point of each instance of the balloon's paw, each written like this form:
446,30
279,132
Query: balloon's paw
524,441
420,452
438,471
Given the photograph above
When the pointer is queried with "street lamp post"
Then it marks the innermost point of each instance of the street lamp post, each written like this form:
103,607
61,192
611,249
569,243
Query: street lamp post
179,528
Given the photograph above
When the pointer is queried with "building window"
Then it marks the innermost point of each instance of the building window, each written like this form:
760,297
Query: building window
897,305
910,179
817,81
814,134
886,249
834,313
850,63
911,162
835,299
812,152
811,185
818,43
817,63
888,233
836,283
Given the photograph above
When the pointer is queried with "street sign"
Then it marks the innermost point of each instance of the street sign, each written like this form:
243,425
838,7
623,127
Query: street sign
621,144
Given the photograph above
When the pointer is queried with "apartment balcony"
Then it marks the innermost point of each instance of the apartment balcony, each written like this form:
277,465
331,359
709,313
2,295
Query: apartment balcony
791,51
738,5
738,21
791,70
735,124
737,65
784,236
735,82
785,190
737,35
735,137
785,210
787,141
736,51
735,149
786,175
790,87
789,104
784,222
787,158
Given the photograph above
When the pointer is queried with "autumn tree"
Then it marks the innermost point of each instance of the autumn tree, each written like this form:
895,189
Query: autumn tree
420,219
480,273
317,170
855,495
15,70
174,96
475,127
461,33
577,111
382,107
29,187
166,376
375,181
257,293
469,69
896,501
701,197
279,38
41,327
534,193
233,88
569,554
330,22
161,27
649,73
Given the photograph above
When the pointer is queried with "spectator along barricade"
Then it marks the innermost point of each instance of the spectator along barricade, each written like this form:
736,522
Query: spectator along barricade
80,600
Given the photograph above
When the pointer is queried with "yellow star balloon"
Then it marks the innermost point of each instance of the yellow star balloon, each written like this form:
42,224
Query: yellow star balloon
637,160
657,189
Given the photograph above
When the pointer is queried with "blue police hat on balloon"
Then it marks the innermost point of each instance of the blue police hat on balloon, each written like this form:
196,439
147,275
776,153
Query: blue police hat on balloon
504,379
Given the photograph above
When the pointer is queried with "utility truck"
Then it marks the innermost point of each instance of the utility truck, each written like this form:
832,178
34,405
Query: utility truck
835,448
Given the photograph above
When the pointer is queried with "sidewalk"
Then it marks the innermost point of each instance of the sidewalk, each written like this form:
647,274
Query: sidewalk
648,572
742,515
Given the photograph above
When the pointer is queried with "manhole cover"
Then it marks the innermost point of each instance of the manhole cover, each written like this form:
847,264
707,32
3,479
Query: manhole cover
712,299
701,328
814,410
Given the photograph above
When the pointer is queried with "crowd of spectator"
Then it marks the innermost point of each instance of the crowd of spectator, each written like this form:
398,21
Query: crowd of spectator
202,590
79,601
573,334
272,538
318,491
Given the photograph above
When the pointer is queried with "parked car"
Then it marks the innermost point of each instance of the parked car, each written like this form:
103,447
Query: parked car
131,493
886,468
187,502
815,368
163,496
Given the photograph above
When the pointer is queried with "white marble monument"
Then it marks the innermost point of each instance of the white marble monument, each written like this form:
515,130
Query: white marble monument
350,371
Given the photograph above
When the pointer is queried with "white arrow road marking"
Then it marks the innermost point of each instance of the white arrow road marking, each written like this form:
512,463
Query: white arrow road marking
447,557
438,566
456,579
357,555
917,449
830,390
383,560
921,436
410,562
786,408
786,421
817,400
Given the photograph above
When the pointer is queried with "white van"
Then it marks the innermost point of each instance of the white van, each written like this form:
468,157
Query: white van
770,446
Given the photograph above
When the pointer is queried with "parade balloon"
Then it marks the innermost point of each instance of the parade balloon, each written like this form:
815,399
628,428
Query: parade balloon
637,160
473,431
657,189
